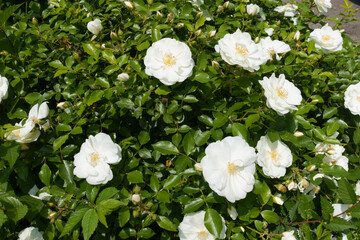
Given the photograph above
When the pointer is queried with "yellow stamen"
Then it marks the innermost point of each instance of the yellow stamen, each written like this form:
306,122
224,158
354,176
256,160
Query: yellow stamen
325,38
241,50
169,60
232,168
17,132
94,158
281,92
202,235
274,156
358,98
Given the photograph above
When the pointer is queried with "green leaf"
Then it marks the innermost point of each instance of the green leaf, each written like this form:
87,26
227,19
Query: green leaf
33,97
213,222
111,69
124,216
74,219
143,46
202,77
326,208
57,64
66,171
103,82
239,129
163,90
59,142
154,183
3,218
144,137
70,60
146,233
310,46
188,143
339,224
135,177
109,56
109,205
89,223
332,128
220,121
165,147
10,151
346,191
155,35
15,210
166,224
270,216
91,49
45,174
251,119
193,205
200,22
356,136
329,112
5,14
172,181
263,190
95,96
334,170
201,137
355,211
106,194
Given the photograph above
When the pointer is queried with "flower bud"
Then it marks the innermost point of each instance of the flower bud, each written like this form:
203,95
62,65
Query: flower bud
159,15
180,25
342,30
129,5
281,188
212,33
265,224
137,189
232,212
220,9
170,17
62,105
113,36
278,200
242,229
198,32
198,167
252,9
226,4
292,186
215,64
298,134
123,77
297,36
154,217
311,168
149,204
52,215
135,213
120,32
317,189
315,101
257,39
136,198
150,2
34,21
199,14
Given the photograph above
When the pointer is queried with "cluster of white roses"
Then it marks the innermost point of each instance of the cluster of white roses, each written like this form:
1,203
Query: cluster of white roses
29,129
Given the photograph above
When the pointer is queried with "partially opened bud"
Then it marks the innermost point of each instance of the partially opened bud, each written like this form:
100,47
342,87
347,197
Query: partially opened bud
129,5
113,36
198,167
198,32
278,200
297,36
298,134
123,77
62,105
212,33
34,21
226,4
136,198
311,168
159,15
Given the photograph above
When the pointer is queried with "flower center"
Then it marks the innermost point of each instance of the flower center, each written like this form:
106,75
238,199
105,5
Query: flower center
334,162
241,50
325,38
232,168
17,132
358,98
274,156
94,159
202,235
281,92
169,60
35,120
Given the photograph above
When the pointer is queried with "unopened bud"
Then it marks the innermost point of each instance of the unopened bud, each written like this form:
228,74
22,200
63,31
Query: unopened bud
220,9
278,200
120,32
198,32
199,14
212,33
62,105
242,229
150,2
129,5
170,17
198,167
149,204
292,186
311,168
278,22
34,21
52,215
232,213
113,36
342,30
76,56
315,101
159,15
180,25
137,189
257,39
136,198
298,134
215,64
154,217
305,183
281,188
297,36
226,4
264,224
135,213
123,77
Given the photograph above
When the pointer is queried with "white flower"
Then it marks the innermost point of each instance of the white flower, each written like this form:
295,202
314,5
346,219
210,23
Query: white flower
318,175
42,196
333,154
274,48
229,167
169,61
129,5
192,227
4,85
36,114
357,190
30,233
326,39
25,134
297,36
62,105
292,186
252,9
323,5
273,157
239,49
92,162
232,212
123,77
288,235
136,198
278,200
289,9
269,31
281,94
94,26
352,98
339,208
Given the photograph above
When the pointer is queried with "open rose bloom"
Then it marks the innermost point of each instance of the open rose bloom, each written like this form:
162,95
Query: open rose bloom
327,39
352,98
323,5
281,94
95,26
239,49
272,48
169,61
30,233
229,167
192,227
92,162
273,157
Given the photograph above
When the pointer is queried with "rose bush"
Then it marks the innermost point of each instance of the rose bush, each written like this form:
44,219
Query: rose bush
222,131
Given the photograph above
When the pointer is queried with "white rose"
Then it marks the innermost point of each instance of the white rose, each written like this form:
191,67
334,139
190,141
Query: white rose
357,189
94,26
352,98
4,85
333,154
136,198
92,162
36,114
252,9
288,235
30,233
281,94
323,5
269,31
169,61
289,9
192,227
327,39
339,208
229,167
273,157
25,134
297,36
274,48
239,49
